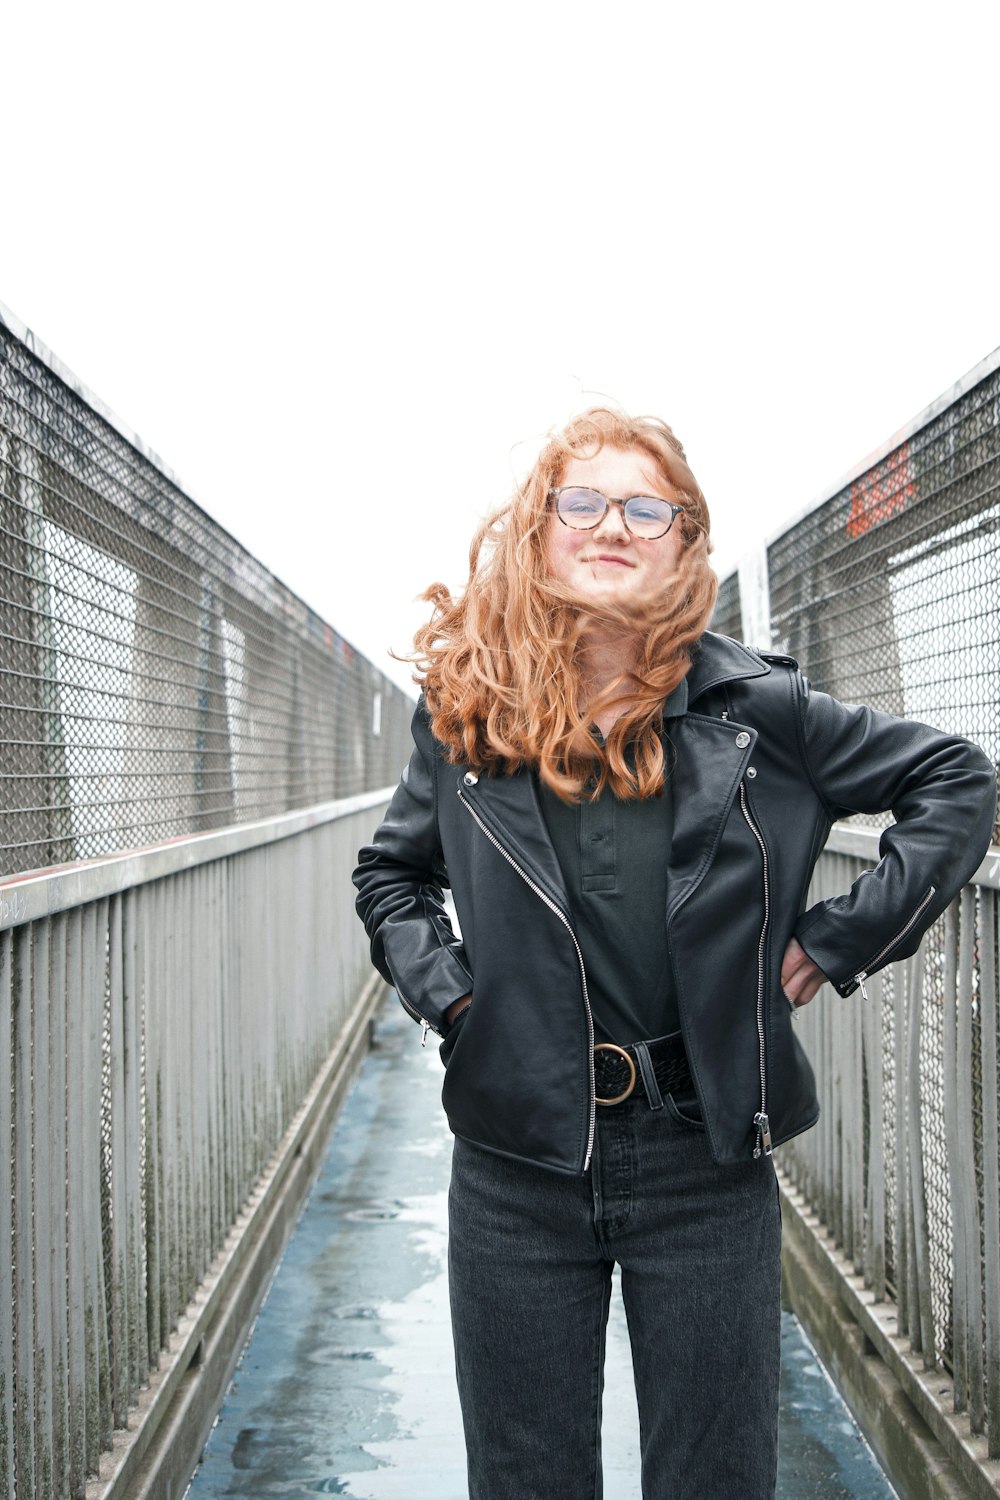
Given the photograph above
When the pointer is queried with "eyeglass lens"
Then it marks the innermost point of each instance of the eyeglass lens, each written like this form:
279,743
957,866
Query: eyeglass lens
645,515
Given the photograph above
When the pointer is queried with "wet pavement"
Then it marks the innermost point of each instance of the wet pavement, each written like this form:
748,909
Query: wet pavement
346,1386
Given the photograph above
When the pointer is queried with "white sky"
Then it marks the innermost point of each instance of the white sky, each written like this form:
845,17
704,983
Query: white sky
342,265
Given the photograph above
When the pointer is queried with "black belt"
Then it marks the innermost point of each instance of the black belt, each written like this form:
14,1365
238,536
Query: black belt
657,1067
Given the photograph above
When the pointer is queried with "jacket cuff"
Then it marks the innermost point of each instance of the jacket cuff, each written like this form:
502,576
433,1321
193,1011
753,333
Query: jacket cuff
448,982
829,959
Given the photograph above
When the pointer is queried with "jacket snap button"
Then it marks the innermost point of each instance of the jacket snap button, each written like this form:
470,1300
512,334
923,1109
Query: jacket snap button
751,771
742,740
470,779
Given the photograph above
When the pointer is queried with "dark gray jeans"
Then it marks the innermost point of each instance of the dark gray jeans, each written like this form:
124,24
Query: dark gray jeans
530,1260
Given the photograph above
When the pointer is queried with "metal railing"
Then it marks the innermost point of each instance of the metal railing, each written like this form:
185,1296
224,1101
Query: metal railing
887,593
886,590
162,1018
903,1168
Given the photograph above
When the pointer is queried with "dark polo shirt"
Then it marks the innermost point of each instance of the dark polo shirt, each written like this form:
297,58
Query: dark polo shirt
613,855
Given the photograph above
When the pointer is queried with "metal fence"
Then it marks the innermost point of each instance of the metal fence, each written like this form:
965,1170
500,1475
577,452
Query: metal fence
155,679
903,1165
163,1014
167,1013
888,592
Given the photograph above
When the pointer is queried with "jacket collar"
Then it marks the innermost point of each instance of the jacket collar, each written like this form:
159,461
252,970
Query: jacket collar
716,658
707,773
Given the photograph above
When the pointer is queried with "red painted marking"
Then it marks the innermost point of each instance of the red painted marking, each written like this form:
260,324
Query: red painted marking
882,493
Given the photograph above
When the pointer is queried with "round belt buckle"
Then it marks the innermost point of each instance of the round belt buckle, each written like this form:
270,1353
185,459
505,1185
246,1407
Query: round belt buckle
613,1047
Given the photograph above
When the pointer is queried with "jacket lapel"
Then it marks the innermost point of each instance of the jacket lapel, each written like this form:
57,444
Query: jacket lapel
707,770
510,809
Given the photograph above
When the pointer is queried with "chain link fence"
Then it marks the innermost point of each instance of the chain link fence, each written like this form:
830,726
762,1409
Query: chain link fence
888,592
162,1019
155,679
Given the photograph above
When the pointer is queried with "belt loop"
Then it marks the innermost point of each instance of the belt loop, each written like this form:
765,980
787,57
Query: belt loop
650,1084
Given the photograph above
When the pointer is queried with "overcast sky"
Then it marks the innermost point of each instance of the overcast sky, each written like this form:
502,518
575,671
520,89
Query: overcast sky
341,266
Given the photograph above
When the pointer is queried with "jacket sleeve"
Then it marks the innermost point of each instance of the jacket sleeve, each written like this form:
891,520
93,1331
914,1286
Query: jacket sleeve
400,878
942,792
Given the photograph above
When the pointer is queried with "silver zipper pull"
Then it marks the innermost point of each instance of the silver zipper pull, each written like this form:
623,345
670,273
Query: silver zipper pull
425,1027
763,1125
861,981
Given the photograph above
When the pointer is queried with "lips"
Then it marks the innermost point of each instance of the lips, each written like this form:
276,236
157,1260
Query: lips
612,557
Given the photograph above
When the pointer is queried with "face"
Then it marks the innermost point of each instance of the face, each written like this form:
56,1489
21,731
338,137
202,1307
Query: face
608,564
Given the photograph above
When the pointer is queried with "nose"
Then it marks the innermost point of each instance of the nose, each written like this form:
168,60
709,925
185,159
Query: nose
611,526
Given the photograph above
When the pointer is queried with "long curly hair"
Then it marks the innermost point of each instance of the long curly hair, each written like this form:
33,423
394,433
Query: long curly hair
499,664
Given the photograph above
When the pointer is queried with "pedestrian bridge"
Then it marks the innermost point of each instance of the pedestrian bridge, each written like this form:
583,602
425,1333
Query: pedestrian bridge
191,760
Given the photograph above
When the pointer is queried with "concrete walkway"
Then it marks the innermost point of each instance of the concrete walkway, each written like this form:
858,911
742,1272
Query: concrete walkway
347,1387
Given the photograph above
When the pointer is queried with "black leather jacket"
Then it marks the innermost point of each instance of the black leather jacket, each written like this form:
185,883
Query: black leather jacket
763,767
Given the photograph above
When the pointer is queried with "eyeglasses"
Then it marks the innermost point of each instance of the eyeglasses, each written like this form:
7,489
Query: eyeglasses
646,516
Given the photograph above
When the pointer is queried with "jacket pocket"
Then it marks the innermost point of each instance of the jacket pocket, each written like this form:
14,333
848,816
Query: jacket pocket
447,1047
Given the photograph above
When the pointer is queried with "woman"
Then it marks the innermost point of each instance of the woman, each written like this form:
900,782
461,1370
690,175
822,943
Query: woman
627,809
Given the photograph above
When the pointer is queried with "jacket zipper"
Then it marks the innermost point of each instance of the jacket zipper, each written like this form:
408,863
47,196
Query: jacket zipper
547,901
863,974
761,1122
425,1025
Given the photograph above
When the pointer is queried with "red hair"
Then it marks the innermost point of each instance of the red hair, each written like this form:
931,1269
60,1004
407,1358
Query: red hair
499,664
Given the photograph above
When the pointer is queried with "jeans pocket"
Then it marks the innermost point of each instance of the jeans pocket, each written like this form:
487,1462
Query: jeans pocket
683,1105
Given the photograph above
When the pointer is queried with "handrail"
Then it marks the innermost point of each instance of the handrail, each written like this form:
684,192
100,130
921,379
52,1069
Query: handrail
164,1017
42,893
902,1170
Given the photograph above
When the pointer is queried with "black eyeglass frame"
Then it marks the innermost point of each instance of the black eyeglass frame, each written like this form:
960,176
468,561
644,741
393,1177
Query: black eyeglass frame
609,500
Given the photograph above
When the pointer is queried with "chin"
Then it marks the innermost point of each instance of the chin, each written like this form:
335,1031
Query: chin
620,598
